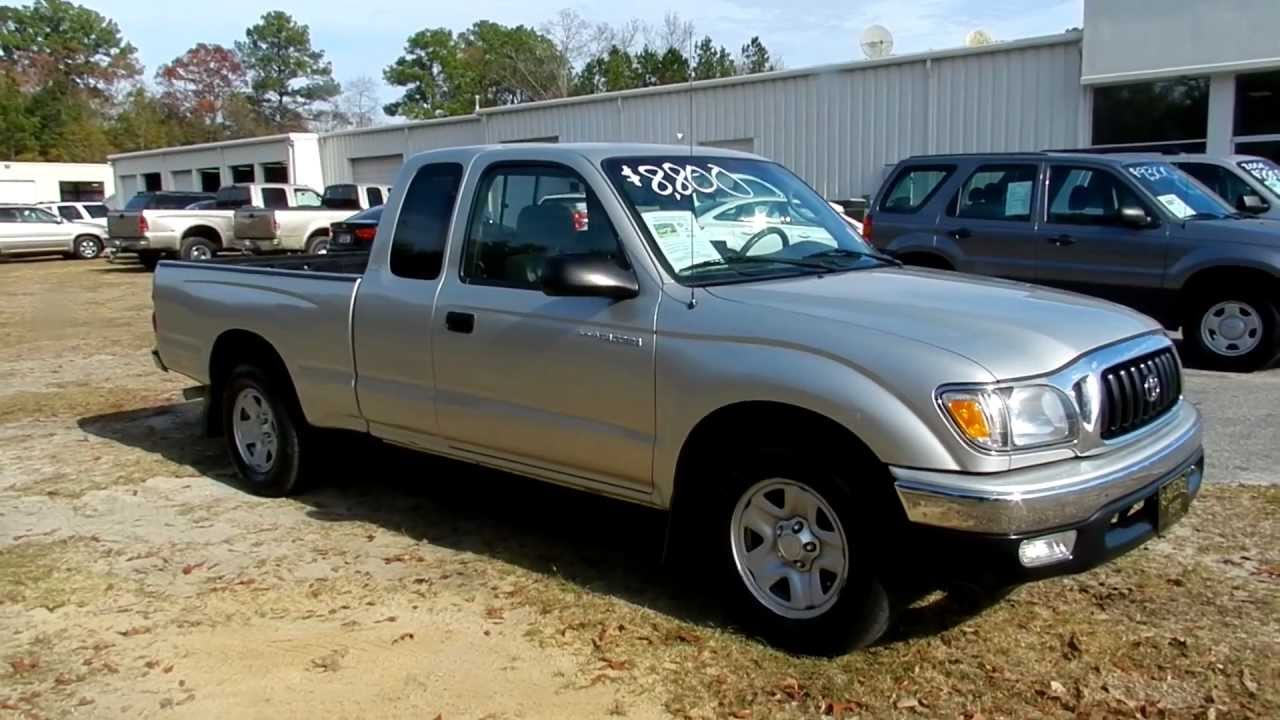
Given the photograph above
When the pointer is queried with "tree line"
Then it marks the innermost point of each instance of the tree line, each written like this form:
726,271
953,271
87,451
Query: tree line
73,90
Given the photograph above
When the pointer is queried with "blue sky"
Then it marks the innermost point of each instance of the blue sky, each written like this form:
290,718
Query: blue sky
363,38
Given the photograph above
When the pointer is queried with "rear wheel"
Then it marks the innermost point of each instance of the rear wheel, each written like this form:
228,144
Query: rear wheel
318,245
197,248
796,555
1233,329
88,247
263,430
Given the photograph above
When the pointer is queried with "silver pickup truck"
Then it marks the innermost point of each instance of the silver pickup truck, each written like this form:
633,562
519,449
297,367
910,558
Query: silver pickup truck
303,229
820,422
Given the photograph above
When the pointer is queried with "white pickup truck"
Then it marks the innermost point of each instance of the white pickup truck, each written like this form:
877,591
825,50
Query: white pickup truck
303,227
191,234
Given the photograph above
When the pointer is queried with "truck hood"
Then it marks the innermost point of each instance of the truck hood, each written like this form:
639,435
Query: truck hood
1254,231
1012,329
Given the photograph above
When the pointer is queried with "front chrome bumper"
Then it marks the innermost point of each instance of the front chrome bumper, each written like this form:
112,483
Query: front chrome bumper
1053,495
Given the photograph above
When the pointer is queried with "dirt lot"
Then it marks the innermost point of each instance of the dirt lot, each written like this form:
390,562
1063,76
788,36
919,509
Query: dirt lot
137,581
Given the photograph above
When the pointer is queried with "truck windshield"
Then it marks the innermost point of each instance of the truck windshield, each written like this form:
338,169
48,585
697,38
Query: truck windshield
723,219
1177,192
1267,173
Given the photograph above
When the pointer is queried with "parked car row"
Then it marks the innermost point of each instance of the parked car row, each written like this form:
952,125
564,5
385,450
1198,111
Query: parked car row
33,230
256,217
822,424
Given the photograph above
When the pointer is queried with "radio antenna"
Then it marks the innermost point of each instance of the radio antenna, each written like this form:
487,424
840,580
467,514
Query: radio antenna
693,208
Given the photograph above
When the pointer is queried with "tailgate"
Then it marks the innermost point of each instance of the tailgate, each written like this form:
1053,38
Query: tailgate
255,224
124,224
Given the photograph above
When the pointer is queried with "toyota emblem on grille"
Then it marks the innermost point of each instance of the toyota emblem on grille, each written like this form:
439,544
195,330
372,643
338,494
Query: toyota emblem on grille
1151,386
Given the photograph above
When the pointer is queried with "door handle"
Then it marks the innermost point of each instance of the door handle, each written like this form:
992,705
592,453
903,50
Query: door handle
460,322
1062,240
961,233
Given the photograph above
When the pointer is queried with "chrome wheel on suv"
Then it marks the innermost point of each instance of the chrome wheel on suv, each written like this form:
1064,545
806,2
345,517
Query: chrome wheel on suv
789,548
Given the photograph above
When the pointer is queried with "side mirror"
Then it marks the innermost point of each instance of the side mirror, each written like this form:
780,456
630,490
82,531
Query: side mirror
1133,216
1252,204
587,276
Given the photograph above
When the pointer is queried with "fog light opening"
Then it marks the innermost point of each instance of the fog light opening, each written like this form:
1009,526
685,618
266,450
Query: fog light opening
1047,549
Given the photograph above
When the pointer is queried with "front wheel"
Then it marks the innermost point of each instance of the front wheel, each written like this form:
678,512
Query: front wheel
264,433
797,559
88,247
1234,330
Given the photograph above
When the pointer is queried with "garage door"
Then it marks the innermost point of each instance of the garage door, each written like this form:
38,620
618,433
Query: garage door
182,180
19,191
380,170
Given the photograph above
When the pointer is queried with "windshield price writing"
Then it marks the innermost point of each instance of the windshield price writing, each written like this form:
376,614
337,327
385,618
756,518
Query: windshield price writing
671,180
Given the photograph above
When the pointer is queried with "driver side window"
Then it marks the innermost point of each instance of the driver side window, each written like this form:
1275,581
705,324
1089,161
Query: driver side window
1088,196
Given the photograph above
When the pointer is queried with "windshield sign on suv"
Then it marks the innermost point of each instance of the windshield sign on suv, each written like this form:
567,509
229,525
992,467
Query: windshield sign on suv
721,219
1267,173
1177,192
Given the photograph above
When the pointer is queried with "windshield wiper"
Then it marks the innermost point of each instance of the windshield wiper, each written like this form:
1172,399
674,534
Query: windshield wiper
843,252
1205,216
731,260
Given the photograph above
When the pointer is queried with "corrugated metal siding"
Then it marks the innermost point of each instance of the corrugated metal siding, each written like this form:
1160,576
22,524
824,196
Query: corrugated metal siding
838,129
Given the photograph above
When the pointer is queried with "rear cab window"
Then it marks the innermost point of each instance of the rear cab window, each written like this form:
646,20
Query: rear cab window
417,245
913,186
375,197
274,198
342,197
997,192
96,210
230,198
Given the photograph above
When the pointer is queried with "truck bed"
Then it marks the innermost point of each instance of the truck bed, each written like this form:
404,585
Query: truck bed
299,305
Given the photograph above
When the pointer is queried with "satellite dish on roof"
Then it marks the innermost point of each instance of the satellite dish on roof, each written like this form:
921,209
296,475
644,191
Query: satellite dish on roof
978,38
876,42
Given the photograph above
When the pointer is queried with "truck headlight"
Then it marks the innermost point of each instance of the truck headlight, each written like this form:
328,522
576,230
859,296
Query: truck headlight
1011,418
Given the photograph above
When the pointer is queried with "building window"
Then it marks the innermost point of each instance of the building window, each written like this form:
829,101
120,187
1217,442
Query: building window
210,179
241,174
80,191
151,182
1258,103
1164,111
275,173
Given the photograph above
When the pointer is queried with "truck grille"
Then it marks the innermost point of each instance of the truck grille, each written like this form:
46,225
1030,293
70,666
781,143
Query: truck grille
1138,391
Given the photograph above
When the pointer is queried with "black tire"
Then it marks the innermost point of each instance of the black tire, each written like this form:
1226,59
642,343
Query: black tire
149,259
284,468
1256,306
318,245
87,247
198,248
858,612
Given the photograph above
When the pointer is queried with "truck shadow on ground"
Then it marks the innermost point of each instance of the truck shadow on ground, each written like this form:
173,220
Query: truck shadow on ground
599,544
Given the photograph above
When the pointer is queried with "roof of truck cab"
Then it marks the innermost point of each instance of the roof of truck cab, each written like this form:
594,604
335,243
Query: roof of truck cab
597,152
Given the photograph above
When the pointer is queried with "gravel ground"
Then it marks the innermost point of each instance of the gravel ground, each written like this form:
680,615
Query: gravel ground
136,580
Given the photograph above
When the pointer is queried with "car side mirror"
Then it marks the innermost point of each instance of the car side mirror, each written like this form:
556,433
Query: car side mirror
1134,216
587,276
1252,204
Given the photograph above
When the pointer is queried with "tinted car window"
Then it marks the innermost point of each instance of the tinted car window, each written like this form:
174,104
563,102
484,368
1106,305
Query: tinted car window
1221,181
342,197
913,186
997,192
417,247
230,198
1088,196
512,232
69,212
8,215
138,202
275,198
375,197
305,197
373,215
96,211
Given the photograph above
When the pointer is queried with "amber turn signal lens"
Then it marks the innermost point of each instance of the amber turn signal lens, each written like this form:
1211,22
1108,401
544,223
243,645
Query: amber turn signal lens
970,418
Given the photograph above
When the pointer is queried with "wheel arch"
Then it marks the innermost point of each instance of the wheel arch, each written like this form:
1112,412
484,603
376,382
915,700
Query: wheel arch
1205,278
236,347
204,231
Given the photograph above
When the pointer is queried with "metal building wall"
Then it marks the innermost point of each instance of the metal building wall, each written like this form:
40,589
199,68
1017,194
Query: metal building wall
839,127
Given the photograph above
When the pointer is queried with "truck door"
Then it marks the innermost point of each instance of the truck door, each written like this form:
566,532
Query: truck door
562,386
392,317
989,221
1085,246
